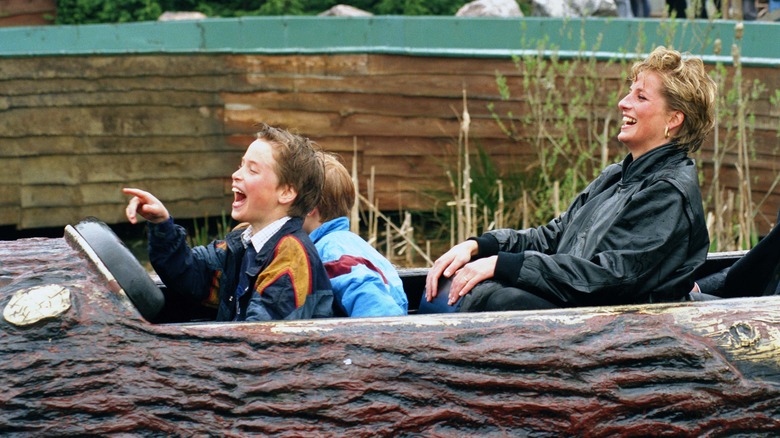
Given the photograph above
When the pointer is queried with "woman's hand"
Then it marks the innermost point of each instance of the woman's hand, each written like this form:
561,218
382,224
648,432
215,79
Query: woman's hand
471,275
448,264
146,205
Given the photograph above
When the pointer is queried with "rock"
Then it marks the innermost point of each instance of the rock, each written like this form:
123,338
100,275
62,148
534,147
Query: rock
345,11
178,16
575,8
490,8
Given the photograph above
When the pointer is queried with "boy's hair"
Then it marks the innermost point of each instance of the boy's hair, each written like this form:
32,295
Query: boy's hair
338,194
298,165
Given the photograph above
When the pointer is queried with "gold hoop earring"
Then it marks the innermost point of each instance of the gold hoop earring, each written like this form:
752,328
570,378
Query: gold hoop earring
666,132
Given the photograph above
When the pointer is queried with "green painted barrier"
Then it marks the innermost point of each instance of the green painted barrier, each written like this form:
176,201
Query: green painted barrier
416,36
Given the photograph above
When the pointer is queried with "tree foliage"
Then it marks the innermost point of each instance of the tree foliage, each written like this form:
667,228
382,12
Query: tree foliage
122,11
98,11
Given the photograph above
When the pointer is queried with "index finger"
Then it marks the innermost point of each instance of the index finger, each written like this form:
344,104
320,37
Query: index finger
138,197
432,281
135,192
444,265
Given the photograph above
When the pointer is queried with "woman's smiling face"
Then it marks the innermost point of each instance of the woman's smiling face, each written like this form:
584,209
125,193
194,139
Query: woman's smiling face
645,115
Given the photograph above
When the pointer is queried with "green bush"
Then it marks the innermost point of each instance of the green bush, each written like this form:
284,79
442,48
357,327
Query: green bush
98,11
122,11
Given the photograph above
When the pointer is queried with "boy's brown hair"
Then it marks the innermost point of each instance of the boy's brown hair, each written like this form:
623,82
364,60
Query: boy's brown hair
298,165
338,195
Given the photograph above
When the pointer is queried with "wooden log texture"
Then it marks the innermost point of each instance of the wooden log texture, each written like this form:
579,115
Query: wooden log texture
179,124
704,369
27,12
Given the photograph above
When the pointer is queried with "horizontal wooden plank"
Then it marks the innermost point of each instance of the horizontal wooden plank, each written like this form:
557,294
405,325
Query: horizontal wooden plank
391,183
407,201
131,121
10,175
387,65
239,118
71,170
441,85
43,217
199,209
86,194
193,84
10,215
10,194
408,166
730,160
315,65
391,65
126,95
346,103
394,65
766,141
762,180
38,145
389,146
27,12
32,19
52,216
106,66
767,76
321,124
15,7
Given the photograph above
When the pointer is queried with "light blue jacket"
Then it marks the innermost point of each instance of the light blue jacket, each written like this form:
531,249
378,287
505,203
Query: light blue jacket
364,282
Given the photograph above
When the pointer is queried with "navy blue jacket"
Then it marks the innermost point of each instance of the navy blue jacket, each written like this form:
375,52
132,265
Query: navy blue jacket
289,280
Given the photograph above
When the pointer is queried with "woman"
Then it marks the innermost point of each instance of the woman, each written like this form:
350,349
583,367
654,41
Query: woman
637,232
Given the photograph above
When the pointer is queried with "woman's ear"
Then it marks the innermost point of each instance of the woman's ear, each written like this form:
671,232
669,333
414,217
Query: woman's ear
676,120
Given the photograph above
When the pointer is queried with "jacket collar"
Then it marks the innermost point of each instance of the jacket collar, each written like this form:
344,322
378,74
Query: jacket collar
338,224
236,244
651,161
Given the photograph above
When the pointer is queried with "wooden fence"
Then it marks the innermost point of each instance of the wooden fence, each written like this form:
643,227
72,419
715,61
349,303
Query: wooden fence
27,12
76,127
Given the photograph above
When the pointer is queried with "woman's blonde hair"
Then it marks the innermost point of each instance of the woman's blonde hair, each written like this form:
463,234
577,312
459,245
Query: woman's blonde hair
687,88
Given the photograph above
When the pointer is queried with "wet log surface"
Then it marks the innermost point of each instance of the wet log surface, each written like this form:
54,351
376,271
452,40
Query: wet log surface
704,369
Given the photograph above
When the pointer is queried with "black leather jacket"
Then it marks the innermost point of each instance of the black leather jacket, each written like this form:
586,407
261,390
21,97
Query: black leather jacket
634,235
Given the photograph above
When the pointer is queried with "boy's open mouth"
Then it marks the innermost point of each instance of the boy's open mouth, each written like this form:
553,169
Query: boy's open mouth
238,197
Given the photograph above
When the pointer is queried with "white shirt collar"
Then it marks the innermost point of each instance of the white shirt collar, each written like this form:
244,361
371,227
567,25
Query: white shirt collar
264,235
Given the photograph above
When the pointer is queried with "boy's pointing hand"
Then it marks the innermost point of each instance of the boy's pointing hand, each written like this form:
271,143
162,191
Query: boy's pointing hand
144,204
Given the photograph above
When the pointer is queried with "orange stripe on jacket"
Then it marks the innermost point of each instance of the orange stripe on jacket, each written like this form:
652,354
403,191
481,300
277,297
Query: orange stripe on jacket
290,259
212,300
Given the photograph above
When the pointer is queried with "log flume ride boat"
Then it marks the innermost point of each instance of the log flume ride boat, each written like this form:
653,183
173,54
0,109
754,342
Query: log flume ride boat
82,354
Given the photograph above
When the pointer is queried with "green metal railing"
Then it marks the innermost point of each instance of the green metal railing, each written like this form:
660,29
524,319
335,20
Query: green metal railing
415,36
